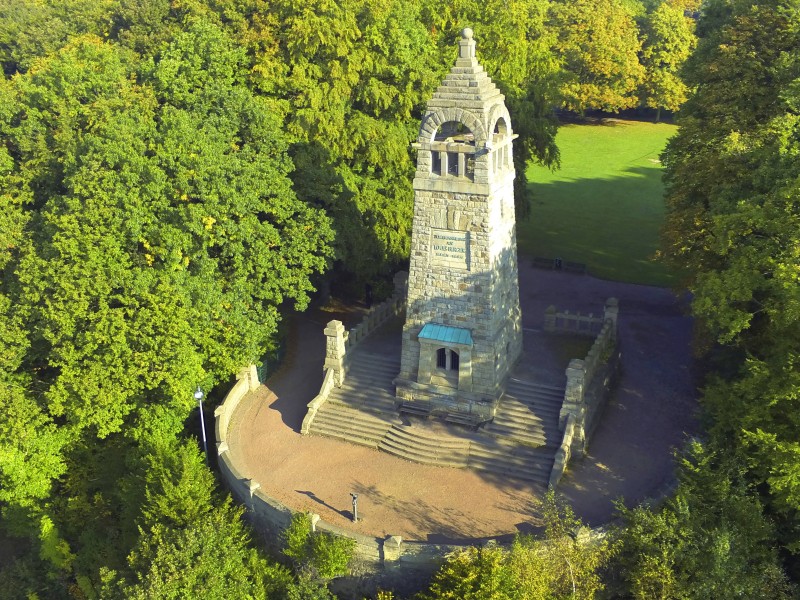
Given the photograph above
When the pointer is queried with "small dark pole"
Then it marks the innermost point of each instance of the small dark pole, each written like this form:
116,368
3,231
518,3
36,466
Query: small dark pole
368,295
355,507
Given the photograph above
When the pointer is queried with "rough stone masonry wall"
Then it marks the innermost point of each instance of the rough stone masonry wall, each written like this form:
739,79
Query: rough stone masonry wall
589,380
479,298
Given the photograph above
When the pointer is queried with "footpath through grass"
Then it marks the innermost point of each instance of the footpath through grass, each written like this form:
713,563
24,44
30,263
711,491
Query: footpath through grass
604,207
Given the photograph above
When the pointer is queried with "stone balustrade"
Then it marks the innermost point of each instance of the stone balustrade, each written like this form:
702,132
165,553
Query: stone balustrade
318,401
339,342
579,324
246,381
578,415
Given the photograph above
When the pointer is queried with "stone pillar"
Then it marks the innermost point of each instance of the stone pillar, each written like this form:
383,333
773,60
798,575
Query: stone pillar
252,378
427,362
578,446
465,369
253,486
610,313
573,396
334,351
550,319
392,548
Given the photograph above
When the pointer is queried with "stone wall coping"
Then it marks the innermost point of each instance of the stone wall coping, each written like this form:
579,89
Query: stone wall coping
318,401
563,453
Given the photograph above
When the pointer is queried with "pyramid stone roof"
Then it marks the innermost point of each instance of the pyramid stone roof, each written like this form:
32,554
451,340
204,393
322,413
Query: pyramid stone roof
466,94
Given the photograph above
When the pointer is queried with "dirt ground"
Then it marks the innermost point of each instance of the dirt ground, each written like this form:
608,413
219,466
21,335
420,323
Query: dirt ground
630,454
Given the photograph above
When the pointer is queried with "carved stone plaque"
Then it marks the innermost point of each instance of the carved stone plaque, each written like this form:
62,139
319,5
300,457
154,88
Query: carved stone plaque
450,248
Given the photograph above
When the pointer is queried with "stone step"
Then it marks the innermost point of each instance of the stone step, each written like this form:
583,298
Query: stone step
374,401
530,398
371,368
538,473
351,425
422,437
533,439
374,357
423,449
393,446
533,402
369,380
379,361
354,437
527,397
517,410
529,464
505,450
360,395
541,387
523,426
349,417
405,453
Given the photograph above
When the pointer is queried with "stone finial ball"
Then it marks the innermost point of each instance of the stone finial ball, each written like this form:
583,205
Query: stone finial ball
466,33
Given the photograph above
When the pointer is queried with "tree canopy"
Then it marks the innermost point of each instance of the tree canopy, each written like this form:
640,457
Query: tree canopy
600,46
175,176
732,225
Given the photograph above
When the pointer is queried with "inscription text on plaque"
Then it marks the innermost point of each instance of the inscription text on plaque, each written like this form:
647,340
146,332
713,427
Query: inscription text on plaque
450,248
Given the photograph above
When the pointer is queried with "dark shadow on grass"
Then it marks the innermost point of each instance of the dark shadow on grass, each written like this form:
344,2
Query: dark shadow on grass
612,224
599,117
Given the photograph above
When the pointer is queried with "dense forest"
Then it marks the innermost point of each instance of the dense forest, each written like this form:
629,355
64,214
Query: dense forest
176,175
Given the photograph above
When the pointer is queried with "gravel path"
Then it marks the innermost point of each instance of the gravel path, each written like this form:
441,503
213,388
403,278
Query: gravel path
629,456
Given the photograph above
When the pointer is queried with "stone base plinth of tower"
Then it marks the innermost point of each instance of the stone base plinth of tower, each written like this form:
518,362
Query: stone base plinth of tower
444,402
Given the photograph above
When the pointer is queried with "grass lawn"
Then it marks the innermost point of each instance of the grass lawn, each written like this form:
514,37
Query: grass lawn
604,207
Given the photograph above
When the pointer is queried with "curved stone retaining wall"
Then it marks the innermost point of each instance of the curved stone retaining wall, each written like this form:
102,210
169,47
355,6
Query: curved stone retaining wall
377,561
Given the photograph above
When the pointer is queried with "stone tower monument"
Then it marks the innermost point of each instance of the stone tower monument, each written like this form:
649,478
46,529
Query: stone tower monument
462,333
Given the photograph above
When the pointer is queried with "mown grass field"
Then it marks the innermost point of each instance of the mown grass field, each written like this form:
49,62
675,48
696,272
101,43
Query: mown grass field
604,207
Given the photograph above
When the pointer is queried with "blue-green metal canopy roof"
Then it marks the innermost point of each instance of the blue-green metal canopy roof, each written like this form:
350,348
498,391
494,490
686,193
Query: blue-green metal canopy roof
448,335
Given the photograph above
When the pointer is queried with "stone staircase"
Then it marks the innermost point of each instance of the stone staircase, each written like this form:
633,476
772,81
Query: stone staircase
509,460
368,384
363,410
527,414
421,445
519,443
351,424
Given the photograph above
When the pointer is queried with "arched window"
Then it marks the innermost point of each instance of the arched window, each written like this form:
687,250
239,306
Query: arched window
500,127
447,359
500,154
453,151
441,358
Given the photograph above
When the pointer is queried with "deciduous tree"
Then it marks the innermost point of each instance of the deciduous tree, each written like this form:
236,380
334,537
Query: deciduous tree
599,43
668,40
710,540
